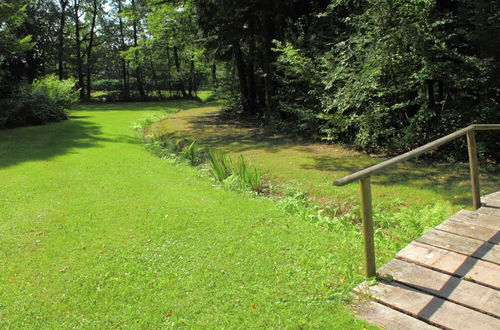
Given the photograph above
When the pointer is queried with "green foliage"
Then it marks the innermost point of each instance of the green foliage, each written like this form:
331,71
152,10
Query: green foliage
107,85
249,175
299,90
234,175
221,166
402,80
44,101
12,16
193,154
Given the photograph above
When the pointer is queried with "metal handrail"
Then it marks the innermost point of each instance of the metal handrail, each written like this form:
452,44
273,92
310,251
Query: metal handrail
364,177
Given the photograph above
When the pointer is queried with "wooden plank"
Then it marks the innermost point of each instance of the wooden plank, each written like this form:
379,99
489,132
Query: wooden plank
493,195
436,310
469,230
445,286
452,263
477,219
469,246
491,201
389,318
489,211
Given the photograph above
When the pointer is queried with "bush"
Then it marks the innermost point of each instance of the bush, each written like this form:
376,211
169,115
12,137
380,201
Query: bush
45,100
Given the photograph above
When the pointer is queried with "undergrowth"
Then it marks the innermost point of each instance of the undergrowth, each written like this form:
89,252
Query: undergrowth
234,175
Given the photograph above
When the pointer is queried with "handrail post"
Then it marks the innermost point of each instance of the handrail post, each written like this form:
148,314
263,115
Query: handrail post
367,216
474,172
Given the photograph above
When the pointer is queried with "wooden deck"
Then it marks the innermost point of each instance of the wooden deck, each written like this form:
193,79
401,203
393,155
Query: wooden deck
448,278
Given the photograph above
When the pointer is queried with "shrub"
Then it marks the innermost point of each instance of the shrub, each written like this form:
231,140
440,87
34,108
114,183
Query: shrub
45,100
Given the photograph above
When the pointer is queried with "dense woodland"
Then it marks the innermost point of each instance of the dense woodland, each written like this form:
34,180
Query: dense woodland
376,74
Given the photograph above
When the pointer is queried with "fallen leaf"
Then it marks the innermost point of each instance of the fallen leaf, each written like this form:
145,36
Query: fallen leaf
168,314
63,270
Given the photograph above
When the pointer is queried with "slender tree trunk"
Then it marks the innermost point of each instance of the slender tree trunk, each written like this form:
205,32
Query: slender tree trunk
268,56
214,73
179,71
191,79
252,86
169,65
60,50
139,72
155,77
123,46
79,60
89,50
240,68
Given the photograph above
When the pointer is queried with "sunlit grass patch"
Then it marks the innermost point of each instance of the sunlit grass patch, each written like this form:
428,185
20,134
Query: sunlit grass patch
96,232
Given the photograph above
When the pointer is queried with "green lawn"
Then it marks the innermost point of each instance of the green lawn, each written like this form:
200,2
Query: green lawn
95,232
408,199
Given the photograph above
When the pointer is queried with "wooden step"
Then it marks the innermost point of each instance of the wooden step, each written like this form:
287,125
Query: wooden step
471,230
491,200
461,244
452,263
477,219
493,211
388,318
448,278
428,307
448,287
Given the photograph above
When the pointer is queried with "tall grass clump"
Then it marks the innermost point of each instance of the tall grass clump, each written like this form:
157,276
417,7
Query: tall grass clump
221,166
250,175
193,154
234,175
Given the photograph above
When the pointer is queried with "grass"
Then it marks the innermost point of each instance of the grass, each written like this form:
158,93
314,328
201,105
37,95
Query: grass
408,199
204,95
96,232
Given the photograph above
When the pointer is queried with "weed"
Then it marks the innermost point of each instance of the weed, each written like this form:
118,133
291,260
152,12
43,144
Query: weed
249,175
193,154
172,146
220,165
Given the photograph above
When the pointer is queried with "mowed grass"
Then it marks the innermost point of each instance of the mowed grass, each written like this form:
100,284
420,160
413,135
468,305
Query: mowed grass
96,232
408,199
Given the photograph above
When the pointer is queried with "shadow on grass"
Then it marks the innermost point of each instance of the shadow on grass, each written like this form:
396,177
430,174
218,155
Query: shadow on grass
45,142
237,136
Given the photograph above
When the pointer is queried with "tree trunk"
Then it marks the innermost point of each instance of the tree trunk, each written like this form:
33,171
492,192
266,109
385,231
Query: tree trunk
79,60
252,86
139,73
191,79
268,18
123,46
155,77
89,50
214,74
60,50
179,71
240,68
